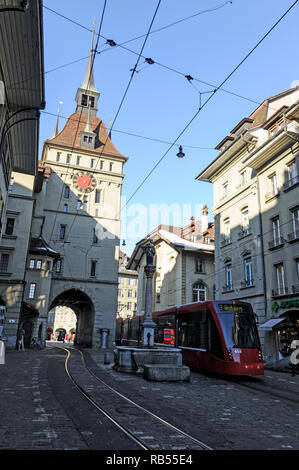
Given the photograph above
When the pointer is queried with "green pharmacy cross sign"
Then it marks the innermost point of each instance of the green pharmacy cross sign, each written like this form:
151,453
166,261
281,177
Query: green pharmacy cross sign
285,304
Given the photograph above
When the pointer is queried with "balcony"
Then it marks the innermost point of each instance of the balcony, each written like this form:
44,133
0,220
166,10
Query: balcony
278,242
292,182
272,195
294,236
247,283
280,291
225,241
227,288
244,232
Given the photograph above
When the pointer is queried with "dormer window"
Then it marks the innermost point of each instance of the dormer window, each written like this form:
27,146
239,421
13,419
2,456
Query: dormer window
87,139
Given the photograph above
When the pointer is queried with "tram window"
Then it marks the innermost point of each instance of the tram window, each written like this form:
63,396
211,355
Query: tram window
165,322
198,330
193,330
239,329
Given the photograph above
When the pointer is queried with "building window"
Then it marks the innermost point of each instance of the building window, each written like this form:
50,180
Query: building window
272,186
243,178
295,221
32,263
130,293
4,260
199,265
32,289
229,277
10,187
65,208
199,292
58,156
84,205
84,100
78,160
95,238
62,232
78,204
48,265
226,225
58,266
276,230
68,158
101,165
225,190
93,268
292,172
10,223
248,271
129,305
92,163
66,191
96,212
245,220
110,166
97,197
280,279
38,264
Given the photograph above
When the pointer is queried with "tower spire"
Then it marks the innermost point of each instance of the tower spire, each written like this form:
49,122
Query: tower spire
87,95
88,82
57,121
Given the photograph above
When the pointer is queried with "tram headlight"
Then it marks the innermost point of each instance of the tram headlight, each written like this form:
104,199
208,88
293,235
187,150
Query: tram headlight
260,356
230,356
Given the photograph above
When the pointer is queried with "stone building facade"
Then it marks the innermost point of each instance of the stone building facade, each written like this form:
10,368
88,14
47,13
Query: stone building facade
184,268
127,289
22,95
69,240
256,209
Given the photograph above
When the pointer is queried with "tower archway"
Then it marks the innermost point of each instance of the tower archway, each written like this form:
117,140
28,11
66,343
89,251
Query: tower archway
83,307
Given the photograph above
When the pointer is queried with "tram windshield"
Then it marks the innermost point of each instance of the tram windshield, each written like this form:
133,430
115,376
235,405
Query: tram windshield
239,329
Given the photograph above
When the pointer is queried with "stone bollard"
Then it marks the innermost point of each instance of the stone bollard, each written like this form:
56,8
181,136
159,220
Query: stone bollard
2,352
107,358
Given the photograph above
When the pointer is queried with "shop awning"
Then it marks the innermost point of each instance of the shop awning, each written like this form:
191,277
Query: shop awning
268,326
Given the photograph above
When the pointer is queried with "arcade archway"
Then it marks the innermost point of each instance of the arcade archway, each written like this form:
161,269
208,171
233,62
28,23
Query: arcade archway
83,307
28,319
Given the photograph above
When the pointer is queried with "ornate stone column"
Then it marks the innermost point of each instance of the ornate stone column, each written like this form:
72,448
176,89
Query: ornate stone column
148,324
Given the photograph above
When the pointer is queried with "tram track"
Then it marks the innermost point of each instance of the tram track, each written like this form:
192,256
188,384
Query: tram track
278,392
146,429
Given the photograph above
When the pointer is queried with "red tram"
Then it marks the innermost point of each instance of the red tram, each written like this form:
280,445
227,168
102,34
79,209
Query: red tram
214,336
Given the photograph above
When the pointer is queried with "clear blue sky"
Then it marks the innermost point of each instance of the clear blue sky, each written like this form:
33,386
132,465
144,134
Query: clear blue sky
161,102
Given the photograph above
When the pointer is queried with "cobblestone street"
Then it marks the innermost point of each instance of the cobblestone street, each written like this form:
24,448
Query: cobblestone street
224,414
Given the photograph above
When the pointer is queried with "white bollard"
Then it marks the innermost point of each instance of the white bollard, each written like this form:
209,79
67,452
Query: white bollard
2,352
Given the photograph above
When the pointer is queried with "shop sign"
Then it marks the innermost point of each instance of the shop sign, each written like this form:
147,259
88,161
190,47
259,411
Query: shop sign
285,304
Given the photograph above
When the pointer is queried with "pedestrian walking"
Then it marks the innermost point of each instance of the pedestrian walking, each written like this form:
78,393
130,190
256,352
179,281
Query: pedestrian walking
21,335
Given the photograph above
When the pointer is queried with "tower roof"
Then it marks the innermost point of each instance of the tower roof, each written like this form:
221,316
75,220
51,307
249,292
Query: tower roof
70,136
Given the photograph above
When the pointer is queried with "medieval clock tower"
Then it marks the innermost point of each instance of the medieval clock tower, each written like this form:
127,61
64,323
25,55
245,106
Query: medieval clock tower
81,208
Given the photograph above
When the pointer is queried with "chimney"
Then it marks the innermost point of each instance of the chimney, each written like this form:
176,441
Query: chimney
204,218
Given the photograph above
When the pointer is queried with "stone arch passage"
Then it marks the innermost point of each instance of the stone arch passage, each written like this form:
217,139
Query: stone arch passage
83,307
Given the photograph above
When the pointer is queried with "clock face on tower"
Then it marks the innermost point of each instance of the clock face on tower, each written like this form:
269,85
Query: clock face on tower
84,182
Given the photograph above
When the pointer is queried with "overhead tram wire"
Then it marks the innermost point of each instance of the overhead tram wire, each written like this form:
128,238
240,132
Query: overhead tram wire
205,103
209,98
171,69
174,23
137,135
90,72
125,93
